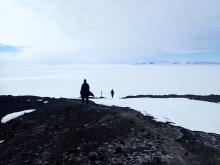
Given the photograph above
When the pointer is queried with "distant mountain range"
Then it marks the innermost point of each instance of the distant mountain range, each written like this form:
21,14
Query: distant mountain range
177,63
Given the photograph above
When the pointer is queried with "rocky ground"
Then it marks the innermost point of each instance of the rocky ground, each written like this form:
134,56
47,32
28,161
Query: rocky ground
208,98
63,131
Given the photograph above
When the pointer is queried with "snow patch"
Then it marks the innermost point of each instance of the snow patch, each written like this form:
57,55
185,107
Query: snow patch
14,115
39,100
1,141
45,102
190,114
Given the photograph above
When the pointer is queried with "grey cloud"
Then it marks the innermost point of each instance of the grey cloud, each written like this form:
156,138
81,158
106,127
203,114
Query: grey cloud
125,29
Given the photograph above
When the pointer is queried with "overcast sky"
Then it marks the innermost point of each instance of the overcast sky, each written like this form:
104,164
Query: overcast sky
108,31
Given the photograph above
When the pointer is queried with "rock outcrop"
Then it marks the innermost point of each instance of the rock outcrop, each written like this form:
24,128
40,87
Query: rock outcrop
63,131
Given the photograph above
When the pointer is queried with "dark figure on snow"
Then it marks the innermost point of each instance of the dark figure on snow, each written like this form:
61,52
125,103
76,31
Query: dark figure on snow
85,92
112,93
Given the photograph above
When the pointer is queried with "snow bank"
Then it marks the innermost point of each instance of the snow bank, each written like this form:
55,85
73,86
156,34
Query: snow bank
190,114
14,115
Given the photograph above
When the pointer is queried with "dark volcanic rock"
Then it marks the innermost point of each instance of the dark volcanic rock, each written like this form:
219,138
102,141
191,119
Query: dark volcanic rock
63,131
208,98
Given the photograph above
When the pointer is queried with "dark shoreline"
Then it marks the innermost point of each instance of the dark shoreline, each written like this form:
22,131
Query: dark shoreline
64,131
208,98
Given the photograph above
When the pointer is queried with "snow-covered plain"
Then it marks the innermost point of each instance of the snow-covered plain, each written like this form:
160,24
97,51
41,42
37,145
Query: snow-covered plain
14,115
191,114
65,81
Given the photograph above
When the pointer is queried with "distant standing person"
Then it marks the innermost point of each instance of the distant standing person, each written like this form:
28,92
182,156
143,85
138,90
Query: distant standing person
112,93
85,92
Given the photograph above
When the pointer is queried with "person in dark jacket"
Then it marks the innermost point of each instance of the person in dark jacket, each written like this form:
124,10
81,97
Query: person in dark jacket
85,92
112,93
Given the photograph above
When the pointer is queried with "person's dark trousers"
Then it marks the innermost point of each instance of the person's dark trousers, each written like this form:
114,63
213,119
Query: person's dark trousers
87,100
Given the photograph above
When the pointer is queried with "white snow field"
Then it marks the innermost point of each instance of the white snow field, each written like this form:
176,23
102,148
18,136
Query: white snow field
14,115
190,114
65,81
